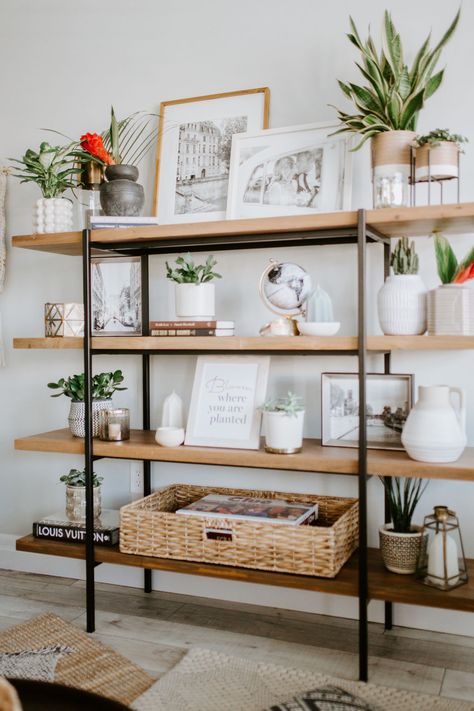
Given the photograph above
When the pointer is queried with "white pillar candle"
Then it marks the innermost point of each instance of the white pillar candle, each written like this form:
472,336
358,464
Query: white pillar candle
114,430
436,559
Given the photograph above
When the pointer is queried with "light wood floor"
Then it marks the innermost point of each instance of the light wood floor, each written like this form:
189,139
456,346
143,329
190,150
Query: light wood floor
156,630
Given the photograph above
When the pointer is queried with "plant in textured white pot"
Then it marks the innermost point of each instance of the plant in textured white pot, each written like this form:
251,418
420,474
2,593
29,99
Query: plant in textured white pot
53,170
194,294
283,421
402,299
103,387
75,482
400,541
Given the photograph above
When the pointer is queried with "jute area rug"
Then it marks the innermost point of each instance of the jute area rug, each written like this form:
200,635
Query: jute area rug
210,681
86,663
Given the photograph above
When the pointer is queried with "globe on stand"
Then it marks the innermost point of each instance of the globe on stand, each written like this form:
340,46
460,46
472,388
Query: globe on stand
284,289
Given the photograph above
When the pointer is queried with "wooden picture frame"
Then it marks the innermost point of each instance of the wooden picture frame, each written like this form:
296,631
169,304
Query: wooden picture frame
226,402
249,109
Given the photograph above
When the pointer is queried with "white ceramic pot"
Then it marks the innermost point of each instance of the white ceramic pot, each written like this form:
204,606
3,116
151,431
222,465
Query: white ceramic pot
195,301
76,417
52,215
451,310
402,305
170,436
400,551
434,430
283,433
76,503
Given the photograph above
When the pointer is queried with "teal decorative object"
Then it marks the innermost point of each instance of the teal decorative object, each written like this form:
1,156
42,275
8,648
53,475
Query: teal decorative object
319,306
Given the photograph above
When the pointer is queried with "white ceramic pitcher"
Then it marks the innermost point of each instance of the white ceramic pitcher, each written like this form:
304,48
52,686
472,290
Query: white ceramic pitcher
435,431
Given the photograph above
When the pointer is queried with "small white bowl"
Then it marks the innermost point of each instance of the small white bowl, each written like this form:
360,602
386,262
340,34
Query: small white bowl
318,328
170,436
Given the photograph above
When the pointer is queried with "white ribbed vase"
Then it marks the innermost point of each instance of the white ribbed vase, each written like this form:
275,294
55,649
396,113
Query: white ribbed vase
402,305
52,215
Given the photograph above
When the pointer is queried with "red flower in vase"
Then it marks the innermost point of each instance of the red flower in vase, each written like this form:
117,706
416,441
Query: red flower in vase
92,143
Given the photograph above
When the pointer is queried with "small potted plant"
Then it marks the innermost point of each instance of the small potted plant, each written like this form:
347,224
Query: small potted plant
437,154
387,105
75,482
194,294
400,540
451,305
402,299
283,420
103,387
53,170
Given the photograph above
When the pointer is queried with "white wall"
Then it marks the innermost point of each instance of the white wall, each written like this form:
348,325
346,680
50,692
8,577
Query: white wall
63,64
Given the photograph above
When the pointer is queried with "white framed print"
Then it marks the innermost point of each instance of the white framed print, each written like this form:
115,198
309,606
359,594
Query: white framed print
389,401
289,171
226,401
116,296
193,155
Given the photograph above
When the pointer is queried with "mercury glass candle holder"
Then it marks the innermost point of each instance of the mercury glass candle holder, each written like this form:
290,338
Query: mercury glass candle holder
114,424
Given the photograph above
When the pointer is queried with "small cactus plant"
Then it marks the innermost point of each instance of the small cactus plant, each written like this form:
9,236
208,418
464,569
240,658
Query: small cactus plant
404,259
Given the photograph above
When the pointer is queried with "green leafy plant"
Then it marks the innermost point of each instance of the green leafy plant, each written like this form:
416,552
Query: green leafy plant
404,259
403,495
76,477
103,386
394,93
439,135
51,167
289,405
186,272
450,271
130,139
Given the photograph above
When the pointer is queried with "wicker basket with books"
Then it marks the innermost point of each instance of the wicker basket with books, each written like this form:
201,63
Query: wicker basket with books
291,533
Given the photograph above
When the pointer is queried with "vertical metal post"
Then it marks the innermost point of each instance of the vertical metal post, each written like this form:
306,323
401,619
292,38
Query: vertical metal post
388,611
362,352
88,442
147,583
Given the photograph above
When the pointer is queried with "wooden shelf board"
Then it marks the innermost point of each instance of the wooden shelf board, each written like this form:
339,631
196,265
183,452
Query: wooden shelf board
414,221
307,344
383,585
314,458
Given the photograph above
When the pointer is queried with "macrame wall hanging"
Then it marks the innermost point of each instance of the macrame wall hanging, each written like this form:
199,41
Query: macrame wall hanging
3,247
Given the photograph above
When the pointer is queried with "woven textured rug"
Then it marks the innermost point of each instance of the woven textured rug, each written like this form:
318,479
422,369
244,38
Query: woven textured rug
211,681
86,664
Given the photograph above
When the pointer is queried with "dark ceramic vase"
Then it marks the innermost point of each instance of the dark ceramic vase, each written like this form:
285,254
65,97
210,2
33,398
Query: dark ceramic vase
121,194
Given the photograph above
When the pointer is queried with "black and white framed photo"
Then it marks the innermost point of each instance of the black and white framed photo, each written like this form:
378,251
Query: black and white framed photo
389,400
289,171
116,296
228,394
194,145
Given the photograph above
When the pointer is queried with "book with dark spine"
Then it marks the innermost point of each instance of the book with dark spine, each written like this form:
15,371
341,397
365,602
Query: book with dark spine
57,527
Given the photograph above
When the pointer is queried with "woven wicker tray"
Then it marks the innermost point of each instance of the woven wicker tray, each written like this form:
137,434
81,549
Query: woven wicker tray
150,527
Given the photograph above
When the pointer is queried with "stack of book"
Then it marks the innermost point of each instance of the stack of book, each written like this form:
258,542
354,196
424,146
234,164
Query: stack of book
58,527
105,222
191,328
251,508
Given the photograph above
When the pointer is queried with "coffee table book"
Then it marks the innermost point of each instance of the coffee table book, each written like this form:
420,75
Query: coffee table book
250,508
57,527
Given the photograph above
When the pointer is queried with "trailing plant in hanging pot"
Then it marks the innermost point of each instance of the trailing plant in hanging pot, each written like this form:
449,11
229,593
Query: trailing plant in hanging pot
437,155
53,170
103,387
388,103
194,292
75,481
400,540
401,301
283,420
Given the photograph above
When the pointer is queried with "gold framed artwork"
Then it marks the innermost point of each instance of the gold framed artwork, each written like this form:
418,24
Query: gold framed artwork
193,152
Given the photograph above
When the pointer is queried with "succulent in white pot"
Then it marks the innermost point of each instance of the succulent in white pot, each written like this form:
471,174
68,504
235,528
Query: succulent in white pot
401,541
194,293
103,387
283,421
75,481
402,299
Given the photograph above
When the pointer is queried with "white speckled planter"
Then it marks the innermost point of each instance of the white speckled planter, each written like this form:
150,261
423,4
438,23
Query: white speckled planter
76,417
402,305
76,503
52,215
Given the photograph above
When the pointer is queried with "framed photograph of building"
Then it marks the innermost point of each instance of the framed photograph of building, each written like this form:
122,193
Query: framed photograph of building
389,400
228,394
289,171
193,157
116,296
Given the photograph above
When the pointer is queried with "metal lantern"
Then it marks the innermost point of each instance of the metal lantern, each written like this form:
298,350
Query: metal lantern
442,563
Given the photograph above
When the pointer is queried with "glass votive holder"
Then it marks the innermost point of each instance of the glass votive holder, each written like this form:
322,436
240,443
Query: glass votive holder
114,424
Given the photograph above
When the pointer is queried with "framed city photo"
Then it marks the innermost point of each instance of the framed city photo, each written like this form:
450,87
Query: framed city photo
193,157
228,394
289,171
116,296
389,400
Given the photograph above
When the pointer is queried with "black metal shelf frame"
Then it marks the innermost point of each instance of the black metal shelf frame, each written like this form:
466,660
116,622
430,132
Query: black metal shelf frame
360,235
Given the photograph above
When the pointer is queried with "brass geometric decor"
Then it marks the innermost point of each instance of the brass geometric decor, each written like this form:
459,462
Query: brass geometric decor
64,320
